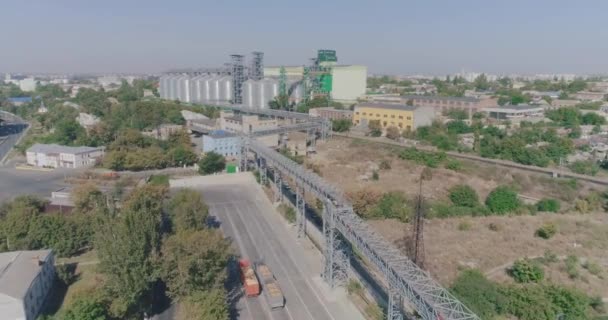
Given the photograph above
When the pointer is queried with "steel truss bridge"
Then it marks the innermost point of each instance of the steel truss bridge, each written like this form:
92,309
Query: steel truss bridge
343,229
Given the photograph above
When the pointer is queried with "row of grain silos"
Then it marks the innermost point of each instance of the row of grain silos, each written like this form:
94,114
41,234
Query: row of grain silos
203,88
213,88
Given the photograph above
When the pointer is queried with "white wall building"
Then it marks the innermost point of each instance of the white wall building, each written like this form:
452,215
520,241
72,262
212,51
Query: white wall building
27,84
26,278
57,156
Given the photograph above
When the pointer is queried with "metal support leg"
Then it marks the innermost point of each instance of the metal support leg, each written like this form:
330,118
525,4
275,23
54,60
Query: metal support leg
263,173
301,211
336,260
394,305
278,196
243,158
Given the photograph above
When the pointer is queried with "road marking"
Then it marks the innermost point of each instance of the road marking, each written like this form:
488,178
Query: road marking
300,270
264,239
241,248
263,305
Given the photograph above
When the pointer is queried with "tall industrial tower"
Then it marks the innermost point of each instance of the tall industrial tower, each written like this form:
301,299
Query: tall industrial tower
238,77
256,70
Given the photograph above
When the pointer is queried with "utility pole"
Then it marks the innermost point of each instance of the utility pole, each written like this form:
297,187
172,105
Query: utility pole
418,230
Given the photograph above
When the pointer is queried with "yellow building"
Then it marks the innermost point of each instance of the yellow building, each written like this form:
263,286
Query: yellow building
405,118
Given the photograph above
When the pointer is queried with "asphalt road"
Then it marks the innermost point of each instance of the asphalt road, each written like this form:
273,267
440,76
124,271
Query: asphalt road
9,134
246,216
14,182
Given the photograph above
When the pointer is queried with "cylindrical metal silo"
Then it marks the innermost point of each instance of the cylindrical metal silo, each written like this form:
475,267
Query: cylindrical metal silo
214,86
225,89
269,89
248,93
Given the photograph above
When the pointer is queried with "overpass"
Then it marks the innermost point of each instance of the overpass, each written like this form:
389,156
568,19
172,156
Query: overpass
343,229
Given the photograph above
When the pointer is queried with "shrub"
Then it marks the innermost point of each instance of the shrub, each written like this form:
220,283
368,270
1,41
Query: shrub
464,226
385,165
549,257
494,226
354,287
483,296
572,266
593,268
525,271
375,176
547,231
464,196
581,205
502,200
584,167
454,165
548,205
392,205
393,133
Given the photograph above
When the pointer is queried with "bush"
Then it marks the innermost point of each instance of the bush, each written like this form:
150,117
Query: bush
584,167
393,133
547,231
385,165
464,196
375,176
392,205
525,271
549,257
593,268
548,205
572,266
483,296
494,226
464,226
502,200
454,165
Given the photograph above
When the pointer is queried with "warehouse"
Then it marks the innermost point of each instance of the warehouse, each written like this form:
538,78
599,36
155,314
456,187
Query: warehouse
57,156
404,117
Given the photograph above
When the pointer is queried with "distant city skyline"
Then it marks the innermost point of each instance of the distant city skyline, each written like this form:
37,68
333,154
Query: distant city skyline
390,37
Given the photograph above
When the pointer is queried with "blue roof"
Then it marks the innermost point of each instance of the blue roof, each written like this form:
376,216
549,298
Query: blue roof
221,134
20,99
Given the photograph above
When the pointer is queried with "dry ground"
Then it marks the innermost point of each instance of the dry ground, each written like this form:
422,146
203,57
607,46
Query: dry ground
450,249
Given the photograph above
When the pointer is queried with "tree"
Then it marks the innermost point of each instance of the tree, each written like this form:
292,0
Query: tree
207,305
502,200
86,308
194,261
211,163
393,133
481,82
19,215
464,196
280,102
127,246
88,199
392,205
341,125
188,210
375,128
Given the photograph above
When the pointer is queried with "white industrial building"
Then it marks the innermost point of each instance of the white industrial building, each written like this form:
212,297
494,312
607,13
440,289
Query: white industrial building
57,156
348,81
26,278
27,84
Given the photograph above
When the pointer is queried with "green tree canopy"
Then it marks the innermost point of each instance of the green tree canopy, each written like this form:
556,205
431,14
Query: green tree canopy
211,163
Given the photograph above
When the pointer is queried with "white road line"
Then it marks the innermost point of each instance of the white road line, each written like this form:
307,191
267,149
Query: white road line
301,272
239,242
263,305
281,264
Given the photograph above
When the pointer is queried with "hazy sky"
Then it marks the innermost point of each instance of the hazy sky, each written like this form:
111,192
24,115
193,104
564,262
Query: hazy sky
395,37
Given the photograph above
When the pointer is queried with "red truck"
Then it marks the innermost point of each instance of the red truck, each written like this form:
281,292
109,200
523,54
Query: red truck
249,279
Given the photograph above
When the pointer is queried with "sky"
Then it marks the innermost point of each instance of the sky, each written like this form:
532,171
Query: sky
390,37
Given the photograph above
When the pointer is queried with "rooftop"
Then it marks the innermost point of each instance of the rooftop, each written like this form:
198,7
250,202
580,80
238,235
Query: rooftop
392,106
468,99
20,99
218,134
513,108
18,269
55,148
